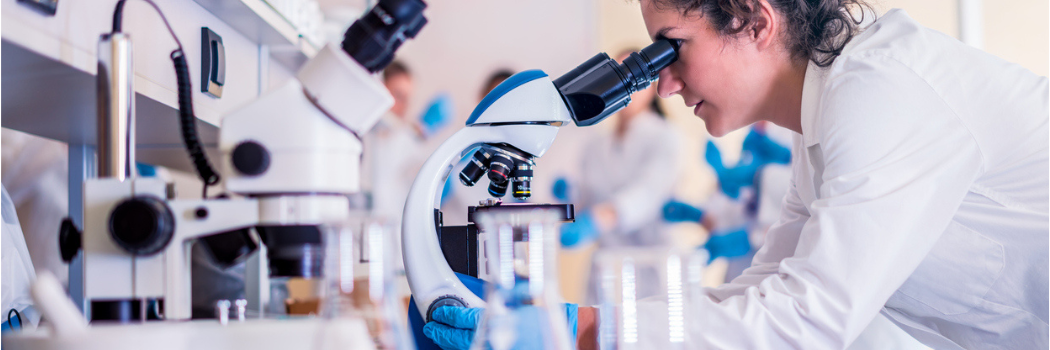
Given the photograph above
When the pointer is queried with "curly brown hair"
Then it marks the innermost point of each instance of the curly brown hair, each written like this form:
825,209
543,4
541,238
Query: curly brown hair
816,30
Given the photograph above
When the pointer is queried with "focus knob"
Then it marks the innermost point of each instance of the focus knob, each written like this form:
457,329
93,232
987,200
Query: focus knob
250,158
142,225
68,240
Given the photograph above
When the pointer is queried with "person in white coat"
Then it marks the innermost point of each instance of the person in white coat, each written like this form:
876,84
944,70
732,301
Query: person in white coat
920,183
393,149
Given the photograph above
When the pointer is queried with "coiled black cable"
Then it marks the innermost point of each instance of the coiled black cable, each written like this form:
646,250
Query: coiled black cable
187,120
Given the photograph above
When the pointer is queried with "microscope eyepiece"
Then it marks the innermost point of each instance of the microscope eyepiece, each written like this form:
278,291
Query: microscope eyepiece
373,39
600,86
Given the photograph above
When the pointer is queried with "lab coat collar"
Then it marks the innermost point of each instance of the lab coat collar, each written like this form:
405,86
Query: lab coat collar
811,89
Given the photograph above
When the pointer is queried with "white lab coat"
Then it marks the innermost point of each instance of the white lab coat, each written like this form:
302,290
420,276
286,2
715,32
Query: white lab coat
920,191
35,173
392,158
636,174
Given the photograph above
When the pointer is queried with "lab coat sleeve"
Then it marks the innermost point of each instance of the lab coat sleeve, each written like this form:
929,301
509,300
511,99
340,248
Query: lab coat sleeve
780,243
897,162
640,203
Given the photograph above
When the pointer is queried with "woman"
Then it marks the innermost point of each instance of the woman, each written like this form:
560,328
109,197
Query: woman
920,182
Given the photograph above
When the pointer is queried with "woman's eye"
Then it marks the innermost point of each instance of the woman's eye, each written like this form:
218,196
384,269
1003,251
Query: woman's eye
676,42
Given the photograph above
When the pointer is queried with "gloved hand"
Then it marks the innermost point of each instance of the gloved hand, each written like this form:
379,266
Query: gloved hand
713,156
730,180
584,230
729,243
453,327
764,150
675,211
437,115
560,189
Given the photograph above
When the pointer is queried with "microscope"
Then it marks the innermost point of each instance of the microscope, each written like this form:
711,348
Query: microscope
512,126
291,157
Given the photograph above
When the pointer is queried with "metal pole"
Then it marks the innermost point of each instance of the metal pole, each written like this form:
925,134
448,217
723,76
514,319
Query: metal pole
116,108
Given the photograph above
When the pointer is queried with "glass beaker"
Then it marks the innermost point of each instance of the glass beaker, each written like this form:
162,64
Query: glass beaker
359,282
643,296
523,306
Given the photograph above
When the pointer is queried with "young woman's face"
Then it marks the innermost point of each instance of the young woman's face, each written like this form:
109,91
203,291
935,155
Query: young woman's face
724,79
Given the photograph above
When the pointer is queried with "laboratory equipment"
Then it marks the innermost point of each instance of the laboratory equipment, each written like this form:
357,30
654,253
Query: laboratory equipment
514,124
523,304
643,297
291,156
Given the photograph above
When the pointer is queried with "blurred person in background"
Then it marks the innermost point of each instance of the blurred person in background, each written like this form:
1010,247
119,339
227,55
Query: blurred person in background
36,175
393,149
626,175
732,213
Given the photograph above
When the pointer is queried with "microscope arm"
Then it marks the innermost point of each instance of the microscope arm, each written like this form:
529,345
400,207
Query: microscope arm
218,216
432,281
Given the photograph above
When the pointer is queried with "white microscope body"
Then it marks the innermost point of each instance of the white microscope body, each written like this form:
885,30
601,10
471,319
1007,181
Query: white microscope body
517,120
313,164
524,112
293,154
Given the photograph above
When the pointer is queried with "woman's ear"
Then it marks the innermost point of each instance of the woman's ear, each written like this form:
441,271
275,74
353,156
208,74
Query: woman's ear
764,25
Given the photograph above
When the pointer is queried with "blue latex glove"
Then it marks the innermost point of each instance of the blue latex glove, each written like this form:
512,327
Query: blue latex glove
675,211
560,189
729,244
765,150
584,230
145,170
453,327
730,180
437,115
713,156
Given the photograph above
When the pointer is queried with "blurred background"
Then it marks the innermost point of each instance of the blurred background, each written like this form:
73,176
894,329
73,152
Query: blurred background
451,64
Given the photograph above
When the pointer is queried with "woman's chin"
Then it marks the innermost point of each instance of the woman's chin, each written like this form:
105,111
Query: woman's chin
717,129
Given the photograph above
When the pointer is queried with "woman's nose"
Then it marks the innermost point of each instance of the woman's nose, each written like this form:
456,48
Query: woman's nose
669,84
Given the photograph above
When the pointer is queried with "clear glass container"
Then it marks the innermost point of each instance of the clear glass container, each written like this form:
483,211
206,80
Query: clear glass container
523,306
360,283
644,295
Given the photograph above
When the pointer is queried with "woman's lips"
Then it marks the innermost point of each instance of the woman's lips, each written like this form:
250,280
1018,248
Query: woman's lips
696,110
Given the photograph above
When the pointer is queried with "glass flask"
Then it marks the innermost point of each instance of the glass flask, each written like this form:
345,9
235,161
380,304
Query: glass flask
359,286
524,309
644,295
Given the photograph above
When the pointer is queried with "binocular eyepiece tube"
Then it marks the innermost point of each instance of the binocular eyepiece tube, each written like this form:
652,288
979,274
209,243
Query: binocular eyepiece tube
600,86
507,168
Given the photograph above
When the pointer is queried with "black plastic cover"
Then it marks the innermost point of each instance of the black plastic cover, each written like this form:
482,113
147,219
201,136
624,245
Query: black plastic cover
142,225
293,251
600,86
373,39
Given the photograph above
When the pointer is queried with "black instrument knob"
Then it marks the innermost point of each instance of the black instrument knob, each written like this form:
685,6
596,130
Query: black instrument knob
250,158
68,240
142,225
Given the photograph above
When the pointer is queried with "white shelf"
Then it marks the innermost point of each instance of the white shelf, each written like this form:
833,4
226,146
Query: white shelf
258,21
53,99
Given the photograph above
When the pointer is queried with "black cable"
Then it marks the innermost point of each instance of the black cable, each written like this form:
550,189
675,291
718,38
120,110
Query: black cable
187,120
118,16
18,316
